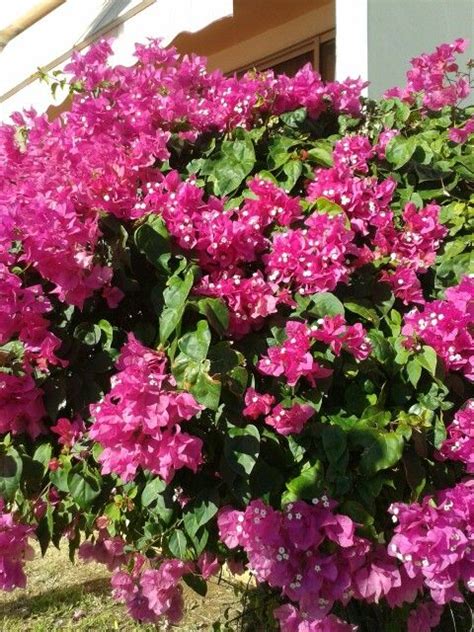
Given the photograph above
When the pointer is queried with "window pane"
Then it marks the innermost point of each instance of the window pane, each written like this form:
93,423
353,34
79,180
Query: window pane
327,60
291,66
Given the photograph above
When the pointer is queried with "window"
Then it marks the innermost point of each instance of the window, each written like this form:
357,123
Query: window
319,51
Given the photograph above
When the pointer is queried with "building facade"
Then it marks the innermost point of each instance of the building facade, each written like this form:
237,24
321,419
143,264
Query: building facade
373,39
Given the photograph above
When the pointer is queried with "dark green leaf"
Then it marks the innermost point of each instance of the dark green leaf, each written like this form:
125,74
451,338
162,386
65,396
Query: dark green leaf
175,296
241,449
152,238
216,313
384,450
199,514
414,371
152,490
308,484
428,359
195,344
84,487
11,468
400,150
325,304
177,544
196,583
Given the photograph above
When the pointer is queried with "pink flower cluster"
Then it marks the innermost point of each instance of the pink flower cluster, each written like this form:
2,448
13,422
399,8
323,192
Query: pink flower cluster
312,554
433,76
462,134
63,174
293,358
138,421
459,445
105,550
292,620
310,259
289,420
21,405
152,593
14,550
412,249
285,420
364,200
226,241
249,299
22,316
68,431
434,540
335,332
424,617
446,325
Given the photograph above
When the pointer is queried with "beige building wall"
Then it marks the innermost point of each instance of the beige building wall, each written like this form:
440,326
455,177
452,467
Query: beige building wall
231,33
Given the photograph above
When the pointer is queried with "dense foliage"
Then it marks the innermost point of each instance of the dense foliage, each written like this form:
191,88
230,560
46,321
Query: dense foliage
236,328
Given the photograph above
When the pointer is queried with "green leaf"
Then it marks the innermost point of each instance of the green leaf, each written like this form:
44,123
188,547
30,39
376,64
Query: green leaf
195,344
439,432
43,454
44,530
199,514
279,151
325,304
384,450
294,118
175,296
399,150
428,359
196,583
415,473
465,167
357,512
177,544
223,358
328,207
153,240
308,484
242,448
322,154
84,487
152,490
216,313
207,390
88,333
235,162
362,307
414,369
334,443
11,468
292,170
108,331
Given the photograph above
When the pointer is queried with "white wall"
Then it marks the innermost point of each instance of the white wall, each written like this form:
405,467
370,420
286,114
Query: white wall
376,39
351,39
399,30
61,30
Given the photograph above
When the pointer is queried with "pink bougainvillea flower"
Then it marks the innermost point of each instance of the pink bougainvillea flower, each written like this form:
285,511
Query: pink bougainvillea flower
446,325
138,421
14,550
289,420
21,405
68,431
459,445
257,404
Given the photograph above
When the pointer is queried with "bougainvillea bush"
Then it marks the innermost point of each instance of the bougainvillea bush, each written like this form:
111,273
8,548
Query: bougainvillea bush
236,329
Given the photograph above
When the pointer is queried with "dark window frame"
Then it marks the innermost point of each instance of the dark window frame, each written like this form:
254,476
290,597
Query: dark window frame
310,45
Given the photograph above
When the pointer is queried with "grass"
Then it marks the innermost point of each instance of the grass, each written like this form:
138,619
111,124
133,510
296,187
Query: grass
61,596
